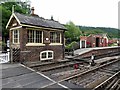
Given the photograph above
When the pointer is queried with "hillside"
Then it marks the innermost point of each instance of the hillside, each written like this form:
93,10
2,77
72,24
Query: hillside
112,32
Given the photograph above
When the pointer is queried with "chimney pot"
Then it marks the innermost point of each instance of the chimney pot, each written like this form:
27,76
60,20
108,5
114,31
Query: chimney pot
52,18
32,10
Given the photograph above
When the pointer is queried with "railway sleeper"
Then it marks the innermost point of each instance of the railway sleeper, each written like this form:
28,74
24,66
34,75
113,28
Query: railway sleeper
48,66
83,80
114,87
110,84
102,63
118,87
107,71
41,63
60,66
96,82
102,85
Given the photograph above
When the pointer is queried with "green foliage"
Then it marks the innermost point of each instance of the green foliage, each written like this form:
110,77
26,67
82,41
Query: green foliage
6,8
93,31
111,32
113,44
73,32
5,16
72,45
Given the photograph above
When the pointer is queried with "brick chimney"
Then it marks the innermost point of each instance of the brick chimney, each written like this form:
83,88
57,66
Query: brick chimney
52,18
32,11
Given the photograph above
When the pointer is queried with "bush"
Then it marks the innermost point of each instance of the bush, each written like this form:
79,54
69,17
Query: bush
73,45
4,46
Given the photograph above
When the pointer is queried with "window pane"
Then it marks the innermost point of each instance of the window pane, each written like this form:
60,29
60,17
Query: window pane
44,55
30,36
49,54
58,37
15,34
38,36
34,36
51,37
55,37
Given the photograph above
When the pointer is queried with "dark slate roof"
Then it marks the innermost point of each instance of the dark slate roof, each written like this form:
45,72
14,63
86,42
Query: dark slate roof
39,21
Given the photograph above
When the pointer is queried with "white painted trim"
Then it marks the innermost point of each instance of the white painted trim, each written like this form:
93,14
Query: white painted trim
17,19
9,21
47,51
18,37
35,44
16,28
85,44
12,36
42,37
60,38
35,36
106,39
41,27
13,15
64,86
81,43
55,44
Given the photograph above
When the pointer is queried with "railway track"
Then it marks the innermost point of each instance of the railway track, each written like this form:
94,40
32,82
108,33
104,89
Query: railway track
95,76
61,70
85,76
112,83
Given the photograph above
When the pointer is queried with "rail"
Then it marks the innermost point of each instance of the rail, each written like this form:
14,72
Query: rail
88,71
102,85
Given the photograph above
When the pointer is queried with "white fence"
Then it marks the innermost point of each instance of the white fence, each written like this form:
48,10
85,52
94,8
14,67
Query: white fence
4,57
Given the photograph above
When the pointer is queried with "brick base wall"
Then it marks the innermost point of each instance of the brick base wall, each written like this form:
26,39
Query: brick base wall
32,53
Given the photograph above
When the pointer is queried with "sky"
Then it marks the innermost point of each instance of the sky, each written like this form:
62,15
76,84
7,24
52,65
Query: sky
97,13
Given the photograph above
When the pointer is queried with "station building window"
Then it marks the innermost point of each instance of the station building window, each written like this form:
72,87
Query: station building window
55,37
34,36
46,55
15,36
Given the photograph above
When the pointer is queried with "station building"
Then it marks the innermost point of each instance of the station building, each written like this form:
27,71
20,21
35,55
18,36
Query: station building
37,39
94,40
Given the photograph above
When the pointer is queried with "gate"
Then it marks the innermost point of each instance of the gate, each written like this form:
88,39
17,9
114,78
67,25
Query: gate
5,57
16,55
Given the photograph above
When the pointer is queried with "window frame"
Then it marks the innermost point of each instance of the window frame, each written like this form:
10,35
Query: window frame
35,37
47,56
60,38
18,36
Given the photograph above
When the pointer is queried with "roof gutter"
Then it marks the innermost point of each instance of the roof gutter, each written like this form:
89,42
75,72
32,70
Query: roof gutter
42,27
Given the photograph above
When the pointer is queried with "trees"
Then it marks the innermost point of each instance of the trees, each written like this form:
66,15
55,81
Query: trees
112,32
6,9
72,36
93,31
73,32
